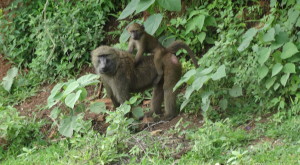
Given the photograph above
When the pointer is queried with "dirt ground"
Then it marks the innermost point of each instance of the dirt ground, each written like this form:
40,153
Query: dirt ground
4,3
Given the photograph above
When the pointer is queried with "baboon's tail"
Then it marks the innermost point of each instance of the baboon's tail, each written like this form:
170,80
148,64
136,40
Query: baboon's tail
178,44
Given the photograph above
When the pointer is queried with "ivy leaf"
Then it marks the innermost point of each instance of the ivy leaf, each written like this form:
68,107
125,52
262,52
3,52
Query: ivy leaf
198,83
189,90
220,73
263,55
276,69
289,68
9,78
88,79
153,23
143,5
130,8
171,5
289,49
284,79
262,72
236,91
187,76
124,36
98,107
247,38
270,35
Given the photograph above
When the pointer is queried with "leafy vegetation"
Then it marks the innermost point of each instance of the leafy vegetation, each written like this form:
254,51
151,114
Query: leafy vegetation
246,89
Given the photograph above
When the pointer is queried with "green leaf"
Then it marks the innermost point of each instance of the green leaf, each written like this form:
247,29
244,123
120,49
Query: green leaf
210,21
284,79
263,55
220,73
198,83
130,8
55,112
270,82
56,89
153,23
289,68
98,107
171,5
143,5
137,112
201,37
83,94
262,72
72,98
71,87
189,90
67,126
185,102
88,79
276,86
289,49
124,36
196,22
247,38
186,77
236,91
9,78
276,69
270,35
223,104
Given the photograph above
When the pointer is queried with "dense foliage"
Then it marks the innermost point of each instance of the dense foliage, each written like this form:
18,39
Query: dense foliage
247,86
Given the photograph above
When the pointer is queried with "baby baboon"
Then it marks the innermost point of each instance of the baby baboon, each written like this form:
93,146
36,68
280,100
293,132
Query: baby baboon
145,43
120,77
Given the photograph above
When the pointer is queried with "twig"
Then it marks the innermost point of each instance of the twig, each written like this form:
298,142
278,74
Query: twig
152,125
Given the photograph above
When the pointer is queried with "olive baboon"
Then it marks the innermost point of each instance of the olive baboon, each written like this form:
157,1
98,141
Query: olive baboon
120,77
145,43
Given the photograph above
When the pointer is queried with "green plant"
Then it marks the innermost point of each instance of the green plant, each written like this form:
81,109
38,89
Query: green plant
17,131
72,93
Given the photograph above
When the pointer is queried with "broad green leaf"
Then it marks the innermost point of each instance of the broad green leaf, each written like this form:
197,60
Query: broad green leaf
270,35
88,79
289,49
124,36
210,21
247,38
189,90
263,55
80,108
83,94
98,107
67,126
187,76
171,5
280,39
185,102
276,86
55,112
284,79
205,100
143,5
71,87
9,78
201,37
276,69
194,23
130,8
198,83
207,70
270,82
223,104
138,112
262,72
72,98
56,89
289,68
236,91
220,73
153,23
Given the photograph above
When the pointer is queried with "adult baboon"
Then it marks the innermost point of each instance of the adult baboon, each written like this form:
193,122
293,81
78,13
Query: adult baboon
120,77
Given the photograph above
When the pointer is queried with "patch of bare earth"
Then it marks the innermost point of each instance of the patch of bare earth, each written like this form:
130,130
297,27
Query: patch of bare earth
4,66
